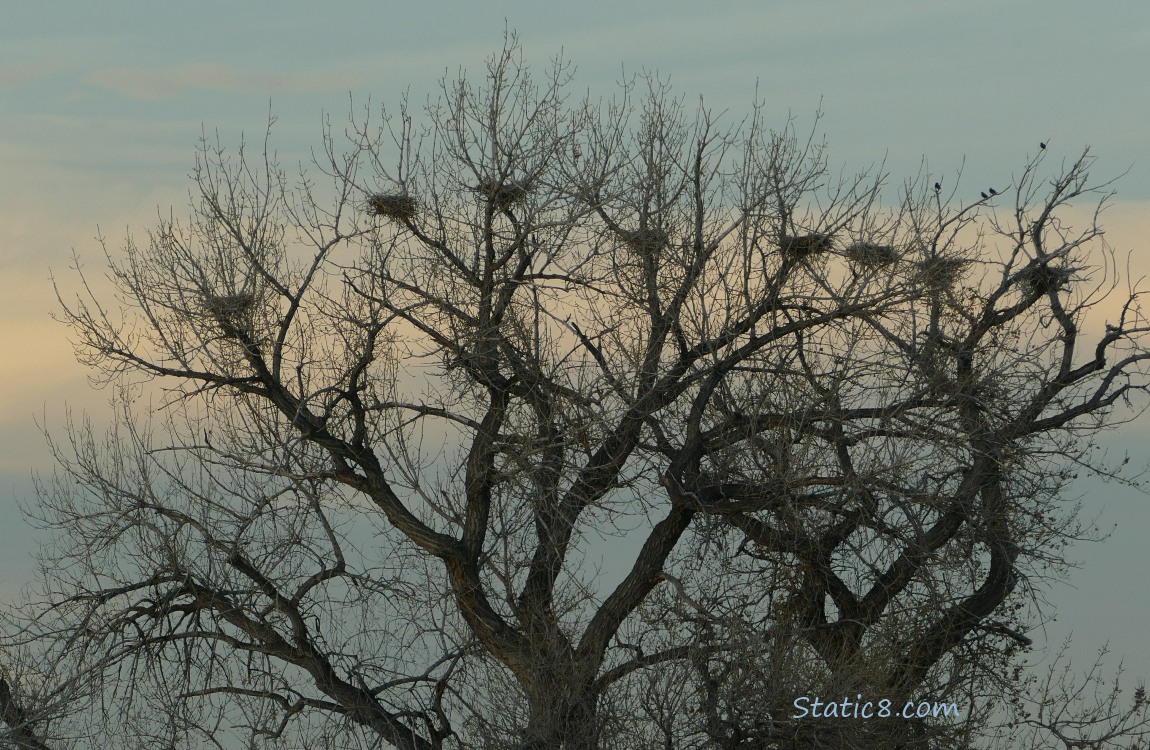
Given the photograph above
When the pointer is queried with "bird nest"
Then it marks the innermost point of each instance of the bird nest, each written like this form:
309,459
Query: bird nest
804,246
394,206
229,310
941,273
503,194
645,241
871,254
1043,279
229,305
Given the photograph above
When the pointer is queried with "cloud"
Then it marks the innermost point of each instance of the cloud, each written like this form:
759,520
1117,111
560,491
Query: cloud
155,84
152,84
17,74
38,373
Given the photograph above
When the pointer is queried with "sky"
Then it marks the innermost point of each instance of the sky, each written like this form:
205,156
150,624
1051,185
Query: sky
102,104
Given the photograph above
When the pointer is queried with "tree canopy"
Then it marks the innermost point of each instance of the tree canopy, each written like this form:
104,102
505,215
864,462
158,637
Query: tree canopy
408,398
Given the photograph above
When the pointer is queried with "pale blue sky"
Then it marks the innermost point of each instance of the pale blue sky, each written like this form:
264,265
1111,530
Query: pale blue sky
101,105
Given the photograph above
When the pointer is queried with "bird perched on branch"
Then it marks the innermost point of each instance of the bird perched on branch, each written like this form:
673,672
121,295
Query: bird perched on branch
682,592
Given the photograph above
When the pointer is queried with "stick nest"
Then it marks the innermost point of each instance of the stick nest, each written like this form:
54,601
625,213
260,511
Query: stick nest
941,273
871,254
230,310
1043,279
804,246
645,241
503,194
398,207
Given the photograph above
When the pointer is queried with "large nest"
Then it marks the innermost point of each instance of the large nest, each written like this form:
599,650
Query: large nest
230,310
871,254
1043,279
229,305
645,241
802,246
940,273
395,206
503,194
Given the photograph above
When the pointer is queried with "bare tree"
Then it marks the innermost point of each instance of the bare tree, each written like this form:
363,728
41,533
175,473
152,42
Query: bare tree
406,400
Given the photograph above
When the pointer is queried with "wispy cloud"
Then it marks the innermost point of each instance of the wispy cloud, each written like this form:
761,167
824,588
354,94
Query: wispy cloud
152,84
19,73
155,84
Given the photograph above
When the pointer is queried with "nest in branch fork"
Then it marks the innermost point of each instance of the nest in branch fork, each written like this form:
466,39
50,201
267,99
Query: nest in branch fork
871,254
1043,279
503,194
394,206
645,241
230,310
941,273
804,246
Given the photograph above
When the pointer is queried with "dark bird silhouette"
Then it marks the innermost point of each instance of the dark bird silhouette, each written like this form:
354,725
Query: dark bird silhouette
1042,145
993,191
985,196
937,186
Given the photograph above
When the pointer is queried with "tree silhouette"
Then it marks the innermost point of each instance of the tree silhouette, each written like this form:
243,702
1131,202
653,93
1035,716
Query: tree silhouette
403,403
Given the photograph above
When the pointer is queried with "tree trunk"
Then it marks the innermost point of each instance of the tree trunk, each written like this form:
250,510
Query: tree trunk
562,718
